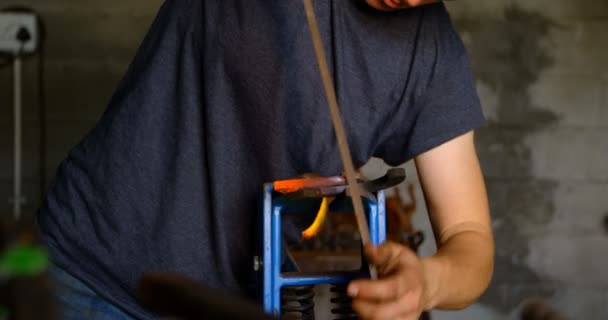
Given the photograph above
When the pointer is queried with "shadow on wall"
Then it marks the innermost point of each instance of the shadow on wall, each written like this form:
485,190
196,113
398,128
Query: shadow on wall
537,309
508,54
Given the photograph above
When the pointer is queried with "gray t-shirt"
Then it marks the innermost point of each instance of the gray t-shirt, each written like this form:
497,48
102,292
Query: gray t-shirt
226,95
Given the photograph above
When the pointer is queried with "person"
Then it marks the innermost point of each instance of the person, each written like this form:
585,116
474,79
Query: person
223,96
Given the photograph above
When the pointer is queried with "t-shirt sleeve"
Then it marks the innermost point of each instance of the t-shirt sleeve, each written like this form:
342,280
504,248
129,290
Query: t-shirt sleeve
448,105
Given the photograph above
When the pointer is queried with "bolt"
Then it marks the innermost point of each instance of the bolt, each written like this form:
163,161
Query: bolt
257,263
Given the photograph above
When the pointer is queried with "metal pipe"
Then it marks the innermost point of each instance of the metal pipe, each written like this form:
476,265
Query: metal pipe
18,138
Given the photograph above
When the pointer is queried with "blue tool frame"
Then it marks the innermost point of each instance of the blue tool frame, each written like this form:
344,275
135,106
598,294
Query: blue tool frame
273,278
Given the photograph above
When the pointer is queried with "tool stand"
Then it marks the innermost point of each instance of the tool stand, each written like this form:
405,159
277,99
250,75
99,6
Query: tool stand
287,293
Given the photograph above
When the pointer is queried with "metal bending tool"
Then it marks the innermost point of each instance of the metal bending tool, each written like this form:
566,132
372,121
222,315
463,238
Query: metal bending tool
347,161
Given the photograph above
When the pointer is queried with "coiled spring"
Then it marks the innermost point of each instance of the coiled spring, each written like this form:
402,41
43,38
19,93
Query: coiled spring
341,303
297,303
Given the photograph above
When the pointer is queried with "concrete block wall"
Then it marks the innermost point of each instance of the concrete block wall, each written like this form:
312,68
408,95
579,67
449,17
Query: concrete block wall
543,79
542,74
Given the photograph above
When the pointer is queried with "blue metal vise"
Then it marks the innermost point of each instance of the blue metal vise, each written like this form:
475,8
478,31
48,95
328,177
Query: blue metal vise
285,289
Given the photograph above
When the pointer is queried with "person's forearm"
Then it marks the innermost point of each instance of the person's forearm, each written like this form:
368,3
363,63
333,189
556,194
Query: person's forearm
460,271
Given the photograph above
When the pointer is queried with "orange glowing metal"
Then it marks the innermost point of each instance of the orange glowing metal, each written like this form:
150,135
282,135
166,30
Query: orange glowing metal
293,185
315,227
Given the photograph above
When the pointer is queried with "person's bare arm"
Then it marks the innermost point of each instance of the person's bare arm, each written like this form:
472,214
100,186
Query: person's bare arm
461,269
457,203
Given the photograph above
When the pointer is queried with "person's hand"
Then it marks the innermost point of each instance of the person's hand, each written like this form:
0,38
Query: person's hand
399,292
390,5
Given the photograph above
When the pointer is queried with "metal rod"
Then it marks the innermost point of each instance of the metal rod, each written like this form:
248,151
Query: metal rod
330,93
18,138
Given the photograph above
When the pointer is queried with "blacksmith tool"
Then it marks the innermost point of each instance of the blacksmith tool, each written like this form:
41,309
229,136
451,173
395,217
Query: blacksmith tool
332,100
286,290
174,295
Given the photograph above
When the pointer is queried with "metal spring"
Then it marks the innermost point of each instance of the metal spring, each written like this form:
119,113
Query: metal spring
297,303
342,303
